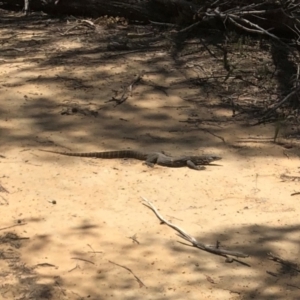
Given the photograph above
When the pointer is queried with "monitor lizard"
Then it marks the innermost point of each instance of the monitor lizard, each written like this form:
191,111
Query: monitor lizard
150,158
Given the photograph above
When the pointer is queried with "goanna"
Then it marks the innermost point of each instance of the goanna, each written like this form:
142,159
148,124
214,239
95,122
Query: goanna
150,158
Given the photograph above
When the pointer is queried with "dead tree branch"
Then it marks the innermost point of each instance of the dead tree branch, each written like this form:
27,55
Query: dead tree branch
208,248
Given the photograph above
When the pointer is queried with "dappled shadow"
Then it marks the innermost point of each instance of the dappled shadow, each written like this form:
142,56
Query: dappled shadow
256,278
286,68
59,82
85,62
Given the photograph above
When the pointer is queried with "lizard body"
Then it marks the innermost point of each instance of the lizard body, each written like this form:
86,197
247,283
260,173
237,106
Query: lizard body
150,158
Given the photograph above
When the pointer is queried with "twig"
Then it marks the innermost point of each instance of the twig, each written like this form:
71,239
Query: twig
190,27
207,49
286,263
285,177
77,266
163,24
87,23
243,27
127,92
294,194
261,30
93,251
137,279
44,265
272,273
282,101
4,199
2,189
291,285
83,260
13,226
213,134
208,248
134,239
234,16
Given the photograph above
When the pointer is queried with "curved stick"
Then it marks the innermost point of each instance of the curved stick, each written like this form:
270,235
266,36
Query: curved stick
192,240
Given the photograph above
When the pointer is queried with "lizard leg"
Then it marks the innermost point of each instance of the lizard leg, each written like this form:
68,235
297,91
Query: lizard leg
151,160
148,164
191,165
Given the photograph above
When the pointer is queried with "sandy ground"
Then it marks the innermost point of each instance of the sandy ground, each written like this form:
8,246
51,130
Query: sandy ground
76,228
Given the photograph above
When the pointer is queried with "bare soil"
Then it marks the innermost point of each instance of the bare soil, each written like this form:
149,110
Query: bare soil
76,228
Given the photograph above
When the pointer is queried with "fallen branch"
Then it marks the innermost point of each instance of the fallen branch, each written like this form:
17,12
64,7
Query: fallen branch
208,248
258,28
